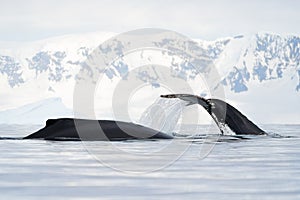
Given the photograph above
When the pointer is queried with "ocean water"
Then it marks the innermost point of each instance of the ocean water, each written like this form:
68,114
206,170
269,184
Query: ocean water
256,167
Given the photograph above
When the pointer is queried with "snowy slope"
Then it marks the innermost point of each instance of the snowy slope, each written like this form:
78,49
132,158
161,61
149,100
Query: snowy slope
35,113
260,58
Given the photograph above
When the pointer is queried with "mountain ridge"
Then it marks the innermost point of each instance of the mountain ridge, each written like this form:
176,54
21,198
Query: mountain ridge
249,66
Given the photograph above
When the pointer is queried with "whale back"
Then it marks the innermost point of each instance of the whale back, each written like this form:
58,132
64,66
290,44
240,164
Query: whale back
94,130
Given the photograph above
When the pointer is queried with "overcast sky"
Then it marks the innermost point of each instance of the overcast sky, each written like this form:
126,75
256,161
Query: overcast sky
26,20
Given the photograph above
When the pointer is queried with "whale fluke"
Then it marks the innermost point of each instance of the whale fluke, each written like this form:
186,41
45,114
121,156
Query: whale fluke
222,113
67,129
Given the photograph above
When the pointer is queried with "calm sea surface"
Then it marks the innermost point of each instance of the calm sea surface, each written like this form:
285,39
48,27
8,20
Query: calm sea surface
257,167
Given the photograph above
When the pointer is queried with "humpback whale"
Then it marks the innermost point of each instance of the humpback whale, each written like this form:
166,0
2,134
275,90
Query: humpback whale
222,113
69,128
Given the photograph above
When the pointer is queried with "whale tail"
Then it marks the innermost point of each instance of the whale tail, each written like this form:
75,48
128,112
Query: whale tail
222,113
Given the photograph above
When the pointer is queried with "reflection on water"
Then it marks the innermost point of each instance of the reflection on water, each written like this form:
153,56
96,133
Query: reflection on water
252,167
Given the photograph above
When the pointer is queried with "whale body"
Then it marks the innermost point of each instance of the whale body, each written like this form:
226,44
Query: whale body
94,130
109,130
223,114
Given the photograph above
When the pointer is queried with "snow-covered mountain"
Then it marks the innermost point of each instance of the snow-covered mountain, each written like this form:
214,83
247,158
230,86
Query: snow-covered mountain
261,58
35,113
260,69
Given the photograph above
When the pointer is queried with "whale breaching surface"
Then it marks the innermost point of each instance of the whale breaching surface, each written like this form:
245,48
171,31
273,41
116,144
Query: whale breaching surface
67,128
